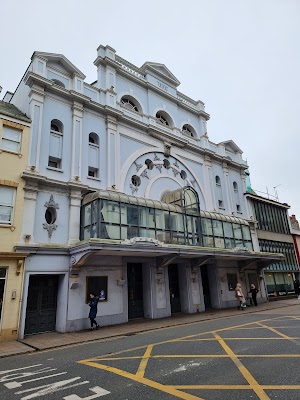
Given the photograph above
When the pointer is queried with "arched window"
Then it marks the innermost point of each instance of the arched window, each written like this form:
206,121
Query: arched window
55,144
219,193
188,130
57,82
237,197
94,157
167,164
183,174
130,103
163,118
93,138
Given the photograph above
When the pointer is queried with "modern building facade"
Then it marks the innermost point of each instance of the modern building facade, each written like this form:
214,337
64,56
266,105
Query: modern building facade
275,235
14,143
127,197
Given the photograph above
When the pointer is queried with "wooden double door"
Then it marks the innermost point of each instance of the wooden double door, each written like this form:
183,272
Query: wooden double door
41,304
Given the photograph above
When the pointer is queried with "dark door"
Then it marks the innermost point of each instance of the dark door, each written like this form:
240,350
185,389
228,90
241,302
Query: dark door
41,304
205,286
174,288
135,291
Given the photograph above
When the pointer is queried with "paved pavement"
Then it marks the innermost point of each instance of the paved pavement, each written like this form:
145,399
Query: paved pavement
54,339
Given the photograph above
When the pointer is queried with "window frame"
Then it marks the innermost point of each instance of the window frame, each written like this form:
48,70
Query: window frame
12,206
20,131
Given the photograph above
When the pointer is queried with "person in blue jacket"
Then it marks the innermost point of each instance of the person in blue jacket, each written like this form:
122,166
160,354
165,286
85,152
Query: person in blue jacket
93,310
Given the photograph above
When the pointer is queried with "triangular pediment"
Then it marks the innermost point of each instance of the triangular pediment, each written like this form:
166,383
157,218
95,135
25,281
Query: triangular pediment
161,70
60,60
231,146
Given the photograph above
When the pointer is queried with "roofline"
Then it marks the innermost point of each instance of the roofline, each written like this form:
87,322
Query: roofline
264,199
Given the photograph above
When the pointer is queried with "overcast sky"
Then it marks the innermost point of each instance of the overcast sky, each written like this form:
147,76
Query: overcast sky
241,57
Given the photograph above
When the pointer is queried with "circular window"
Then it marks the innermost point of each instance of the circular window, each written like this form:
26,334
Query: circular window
149,164
50,215
136,180
183,174
167,164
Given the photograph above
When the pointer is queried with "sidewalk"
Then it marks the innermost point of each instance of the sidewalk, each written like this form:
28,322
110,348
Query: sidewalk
51,340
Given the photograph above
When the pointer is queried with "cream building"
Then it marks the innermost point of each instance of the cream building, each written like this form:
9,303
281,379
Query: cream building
14,141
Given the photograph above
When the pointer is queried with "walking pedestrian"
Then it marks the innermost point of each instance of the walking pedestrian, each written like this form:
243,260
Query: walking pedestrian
253,290
240,296
93,310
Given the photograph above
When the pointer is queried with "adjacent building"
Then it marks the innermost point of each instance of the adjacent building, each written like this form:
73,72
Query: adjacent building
126,196
275,235
14,142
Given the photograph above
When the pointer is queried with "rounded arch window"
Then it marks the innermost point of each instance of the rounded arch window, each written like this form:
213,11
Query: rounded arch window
56,126
218,180
167,164
149,164
130,103
189,130
93,138
57,82
136,180
235,186
183,174
163,118
50,215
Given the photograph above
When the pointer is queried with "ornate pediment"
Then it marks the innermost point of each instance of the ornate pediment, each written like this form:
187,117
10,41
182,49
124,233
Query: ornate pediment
161,70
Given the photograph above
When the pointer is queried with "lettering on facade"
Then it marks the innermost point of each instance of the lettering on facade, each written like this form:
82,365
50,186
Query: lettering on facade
162,86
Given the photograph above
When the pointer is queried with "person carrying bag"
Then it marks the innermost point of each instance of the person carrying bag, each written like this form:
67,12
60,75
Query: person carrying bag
240,296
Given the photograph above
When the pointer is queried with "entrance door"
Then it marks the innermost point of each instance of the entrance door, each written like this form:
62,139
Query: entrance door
135,290
205,287
41,304
174,289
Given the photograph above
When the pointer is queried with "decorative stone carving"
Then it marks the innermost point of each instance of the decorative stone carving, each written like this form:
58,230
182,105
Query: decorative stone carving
143,240
51,203
167,149
133,188
50,228
51,210
138,166
144,174
159,167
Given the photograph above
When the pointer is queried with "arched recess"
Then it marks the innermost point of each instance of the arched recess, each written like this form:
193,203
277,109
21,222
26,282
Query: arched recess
134,100
164,118
189,130
177,164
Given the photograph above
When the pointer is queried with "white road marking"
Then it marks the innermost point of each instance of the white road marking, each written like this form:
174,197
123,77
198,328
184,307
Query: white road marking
97,389
18,369
15,384
49,389
19,375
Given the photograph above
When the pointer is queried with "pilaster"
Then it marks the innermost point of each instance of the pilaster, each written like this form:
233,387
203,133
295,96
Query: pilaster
74,219
36,101
227,188
113,157
208,183
30,196
76,157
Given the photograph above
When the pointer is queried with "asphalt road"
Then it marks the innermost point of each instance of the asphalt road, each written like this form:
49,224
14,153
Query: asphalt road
250,356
